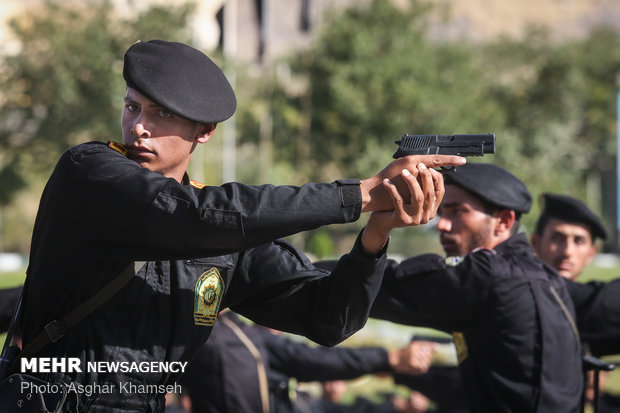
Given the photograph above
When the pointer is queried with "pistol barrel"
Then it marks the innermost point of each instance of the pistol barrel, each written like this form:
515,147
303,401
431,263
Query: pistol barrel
462,145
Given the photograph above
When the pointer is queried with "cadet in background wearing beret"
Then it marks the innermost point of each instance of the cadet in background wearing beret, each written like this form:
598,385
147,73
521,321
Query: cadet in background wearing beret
248,368
566,234
107,206
565,238
511,316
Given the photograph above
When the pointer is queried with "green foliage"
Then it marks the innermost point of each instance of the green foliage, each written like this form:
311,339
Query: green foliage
558,101
332,111
375,75
320,243
65,85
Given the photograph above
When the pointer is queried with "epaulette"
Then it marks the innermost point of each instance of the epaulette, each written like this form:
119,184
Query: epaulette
118,147
196,184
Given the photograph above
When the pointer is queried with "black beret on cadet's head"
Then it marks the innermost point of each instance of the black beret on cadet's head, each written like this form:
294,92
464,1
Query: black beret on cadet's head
492,184
181,79
570,209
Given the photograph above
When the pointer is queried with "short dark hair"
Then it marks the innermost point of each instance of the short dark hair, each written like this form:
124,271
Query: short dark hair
491,209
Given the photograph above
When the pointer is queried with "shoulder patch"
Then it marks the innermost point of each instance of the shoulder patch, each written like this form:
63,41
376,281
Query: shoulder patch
454,260
196,184
207,297
118,147
461,346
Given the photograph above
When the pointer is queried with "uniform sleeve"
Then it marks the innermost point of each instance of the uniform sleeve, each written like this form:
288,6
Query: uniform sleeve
597,308
277,286
425,291
306,363
117,203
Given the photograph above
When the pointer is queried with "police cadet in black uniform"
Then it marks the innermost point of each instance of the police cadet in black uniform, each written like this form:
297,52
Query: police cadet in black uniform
206,248
565,237
247,368
512,317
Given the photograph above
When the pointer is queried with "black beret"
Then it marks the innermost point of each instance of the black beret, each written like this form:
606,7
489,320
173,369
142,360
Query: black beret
181,79
566,208
493,185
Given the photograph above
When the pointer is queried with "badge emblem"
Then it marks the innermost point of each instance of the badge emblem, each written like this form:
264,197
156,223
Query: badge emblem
453,261
461,346
207,297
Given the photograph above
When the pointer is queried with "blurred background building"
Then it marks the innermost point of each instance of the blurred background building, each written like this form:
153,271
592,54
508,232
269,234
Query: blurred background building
266,29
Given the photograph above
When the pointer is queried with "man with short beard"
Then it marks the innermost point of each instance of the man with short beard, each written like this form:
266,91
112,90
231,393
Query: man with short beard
512,317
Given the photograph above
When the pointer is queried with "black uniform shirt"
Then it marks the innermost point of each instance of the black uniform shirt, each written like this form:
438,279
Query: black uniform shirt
100,211
518,351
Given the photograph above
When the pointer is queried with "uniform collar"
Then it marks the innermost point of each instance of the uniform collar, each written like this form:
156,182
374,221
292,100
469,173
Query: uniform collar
517,244
185,180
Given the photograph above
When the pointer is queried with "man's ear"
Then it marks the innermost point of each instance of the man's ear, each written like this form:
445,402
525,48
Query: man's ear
592,253
206,130
507,218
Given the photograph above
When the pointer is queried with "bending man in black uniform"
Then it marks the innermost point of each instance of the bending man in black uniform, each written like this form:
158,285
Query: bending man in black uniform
204,248
512,317
247,368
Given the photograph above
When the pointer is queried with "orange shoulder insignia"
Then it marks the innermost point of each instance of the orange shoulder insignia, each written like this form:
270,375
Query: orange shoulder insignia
118,147
196,184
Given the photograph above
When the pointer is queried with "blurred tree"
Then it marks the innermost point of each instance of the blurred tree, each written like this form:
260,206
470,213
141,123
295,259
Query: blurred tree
558,100
374,75
332,111
320,244
65,85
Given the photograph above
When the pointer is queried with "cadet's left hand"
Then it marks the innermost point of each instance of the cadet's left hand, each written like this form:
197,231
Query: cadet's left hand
426,190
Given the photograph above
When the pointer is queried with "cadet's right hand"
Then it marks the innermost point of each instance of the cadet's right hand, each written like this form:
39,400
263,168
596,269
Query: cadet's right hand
426,190
374,195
